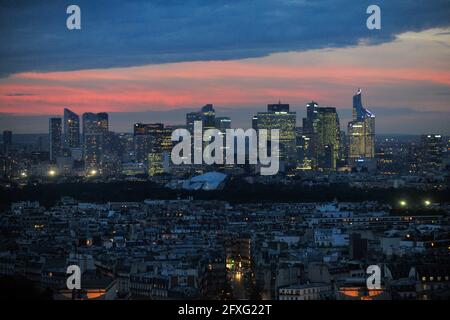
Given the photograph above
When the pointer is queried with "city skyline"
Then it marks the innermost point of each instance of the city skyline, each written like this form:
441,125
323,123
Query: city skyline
225,155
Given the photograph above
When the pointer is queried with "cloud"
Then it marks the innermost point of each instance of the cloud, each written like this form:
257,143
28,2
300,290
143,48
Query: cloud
132,33
19,94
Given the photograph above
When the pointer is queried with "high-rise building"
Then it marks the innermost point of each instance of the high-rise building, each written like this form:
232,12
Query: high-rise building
321,128
151,138
95,129
207,115
328,137
55,138
303,145
310,132
71,129
7,141
361,132
432,151
279,117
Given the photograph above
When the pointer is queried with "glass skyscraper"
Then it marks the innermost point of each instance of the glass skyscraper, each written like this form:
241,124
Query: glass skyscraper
321,129
71,129
95,128
361,132
279,117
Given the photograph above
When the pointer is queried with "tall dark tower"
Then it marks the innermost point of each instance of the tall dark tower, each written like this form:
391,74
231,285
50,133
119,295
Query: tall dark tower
71,129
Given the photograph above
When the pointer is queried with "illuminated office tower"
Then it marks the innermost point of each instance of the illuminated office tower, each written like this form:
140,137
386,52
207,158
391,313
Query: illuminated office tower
303,145
55,138
71,129
361,132
327,139
152,143
144,137
432,151
95,129
321,129
158,159
310,124
279,117
208,117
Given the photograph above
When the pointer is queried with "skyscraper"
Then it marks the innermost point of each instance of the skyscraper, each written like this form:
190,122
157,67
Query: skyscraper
361,132
149,138
55,138
207,115
95,128
310,133
303,145
71,129
321,129
328,137
432,151
279,117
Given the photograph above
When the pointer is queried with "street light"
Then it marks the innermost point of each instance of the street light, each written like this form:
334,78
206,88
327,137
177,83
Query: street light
427,202
52,173
403,203
93,172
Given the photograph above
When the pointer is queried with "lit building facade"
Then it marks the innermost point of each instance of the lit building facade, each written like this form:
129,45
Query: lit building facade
361,132
322,131
153,145
432,151
279,117
71,129
95,129
327,139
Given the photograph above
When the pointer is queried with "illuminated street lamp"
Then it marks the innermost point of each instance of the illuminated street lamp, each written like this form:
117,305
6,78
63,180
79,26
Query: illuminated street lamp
403,203
23,174
427,202
52,173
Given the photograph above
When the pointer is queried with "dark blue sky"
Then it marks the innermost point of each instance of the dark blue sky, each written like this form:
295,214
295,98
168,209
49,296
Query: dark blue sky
154,60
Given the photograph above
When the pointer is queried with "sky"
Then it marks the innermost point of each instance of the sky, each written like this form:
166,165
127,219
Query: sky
153,61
